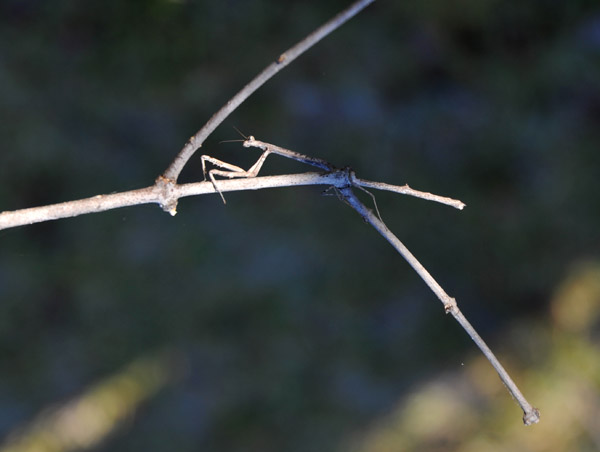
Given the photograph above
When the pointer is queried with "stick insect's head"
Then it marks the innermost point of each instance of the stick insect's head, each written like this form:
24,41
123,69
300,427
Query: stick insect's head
252,142
248,141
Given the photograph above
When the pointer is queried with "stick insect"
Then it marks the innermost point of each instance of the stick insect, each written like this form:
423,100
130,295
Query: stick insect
232,171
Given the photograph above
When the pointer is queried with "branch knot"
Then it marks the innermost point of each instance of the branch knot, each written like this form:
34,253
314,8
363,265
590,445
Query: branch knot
165,188
450,306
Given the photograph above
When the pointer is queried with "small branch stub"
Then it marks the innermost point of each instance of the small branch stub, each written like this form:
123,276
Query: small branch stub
450,306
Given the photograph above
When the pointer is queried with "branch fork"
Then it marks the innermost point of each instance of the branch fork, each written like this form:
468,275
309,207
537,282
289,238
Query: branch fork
166,191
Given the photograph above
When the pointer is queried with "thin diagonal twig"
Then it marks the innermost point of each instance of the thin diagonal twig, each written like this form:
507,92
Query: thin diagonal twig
531,415
172,172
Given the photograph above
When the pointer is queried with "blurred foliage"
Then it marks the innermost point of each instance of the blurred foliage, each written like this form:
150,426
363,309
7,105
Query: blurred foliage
301,328
88,419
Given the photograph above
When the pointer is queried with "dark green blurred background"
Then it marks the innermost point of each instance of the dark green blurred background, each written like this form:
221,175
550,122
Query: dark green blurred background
298,326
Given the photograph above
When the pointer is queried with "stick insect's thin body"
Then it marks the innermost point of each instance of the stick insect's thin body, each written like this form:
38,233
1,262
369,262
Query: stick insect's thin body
251,142
232,171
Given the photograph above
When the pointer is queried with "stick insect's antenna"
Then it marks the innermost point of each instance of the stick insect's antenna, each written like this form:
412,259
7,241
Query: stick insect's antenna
238,131
245,138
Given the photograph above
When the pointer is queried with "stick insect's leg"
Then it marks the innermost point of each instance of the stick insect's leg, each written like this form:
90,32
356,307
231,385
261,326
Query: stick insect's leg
227,174
220,164
234,171
254,169
374,200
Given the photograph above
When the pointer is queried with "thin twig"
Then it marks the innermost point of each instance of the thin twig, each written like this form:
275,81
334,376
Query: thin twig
172,172
165,194
159,193
406,190
531,415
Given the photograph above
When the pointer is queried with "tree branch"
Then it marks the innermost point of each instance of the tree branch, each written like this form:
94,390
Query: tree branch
406,190
168,194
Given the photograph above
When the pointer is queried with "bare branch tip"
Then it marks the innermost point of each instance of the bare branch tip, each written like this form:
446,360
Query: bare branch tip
532,417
